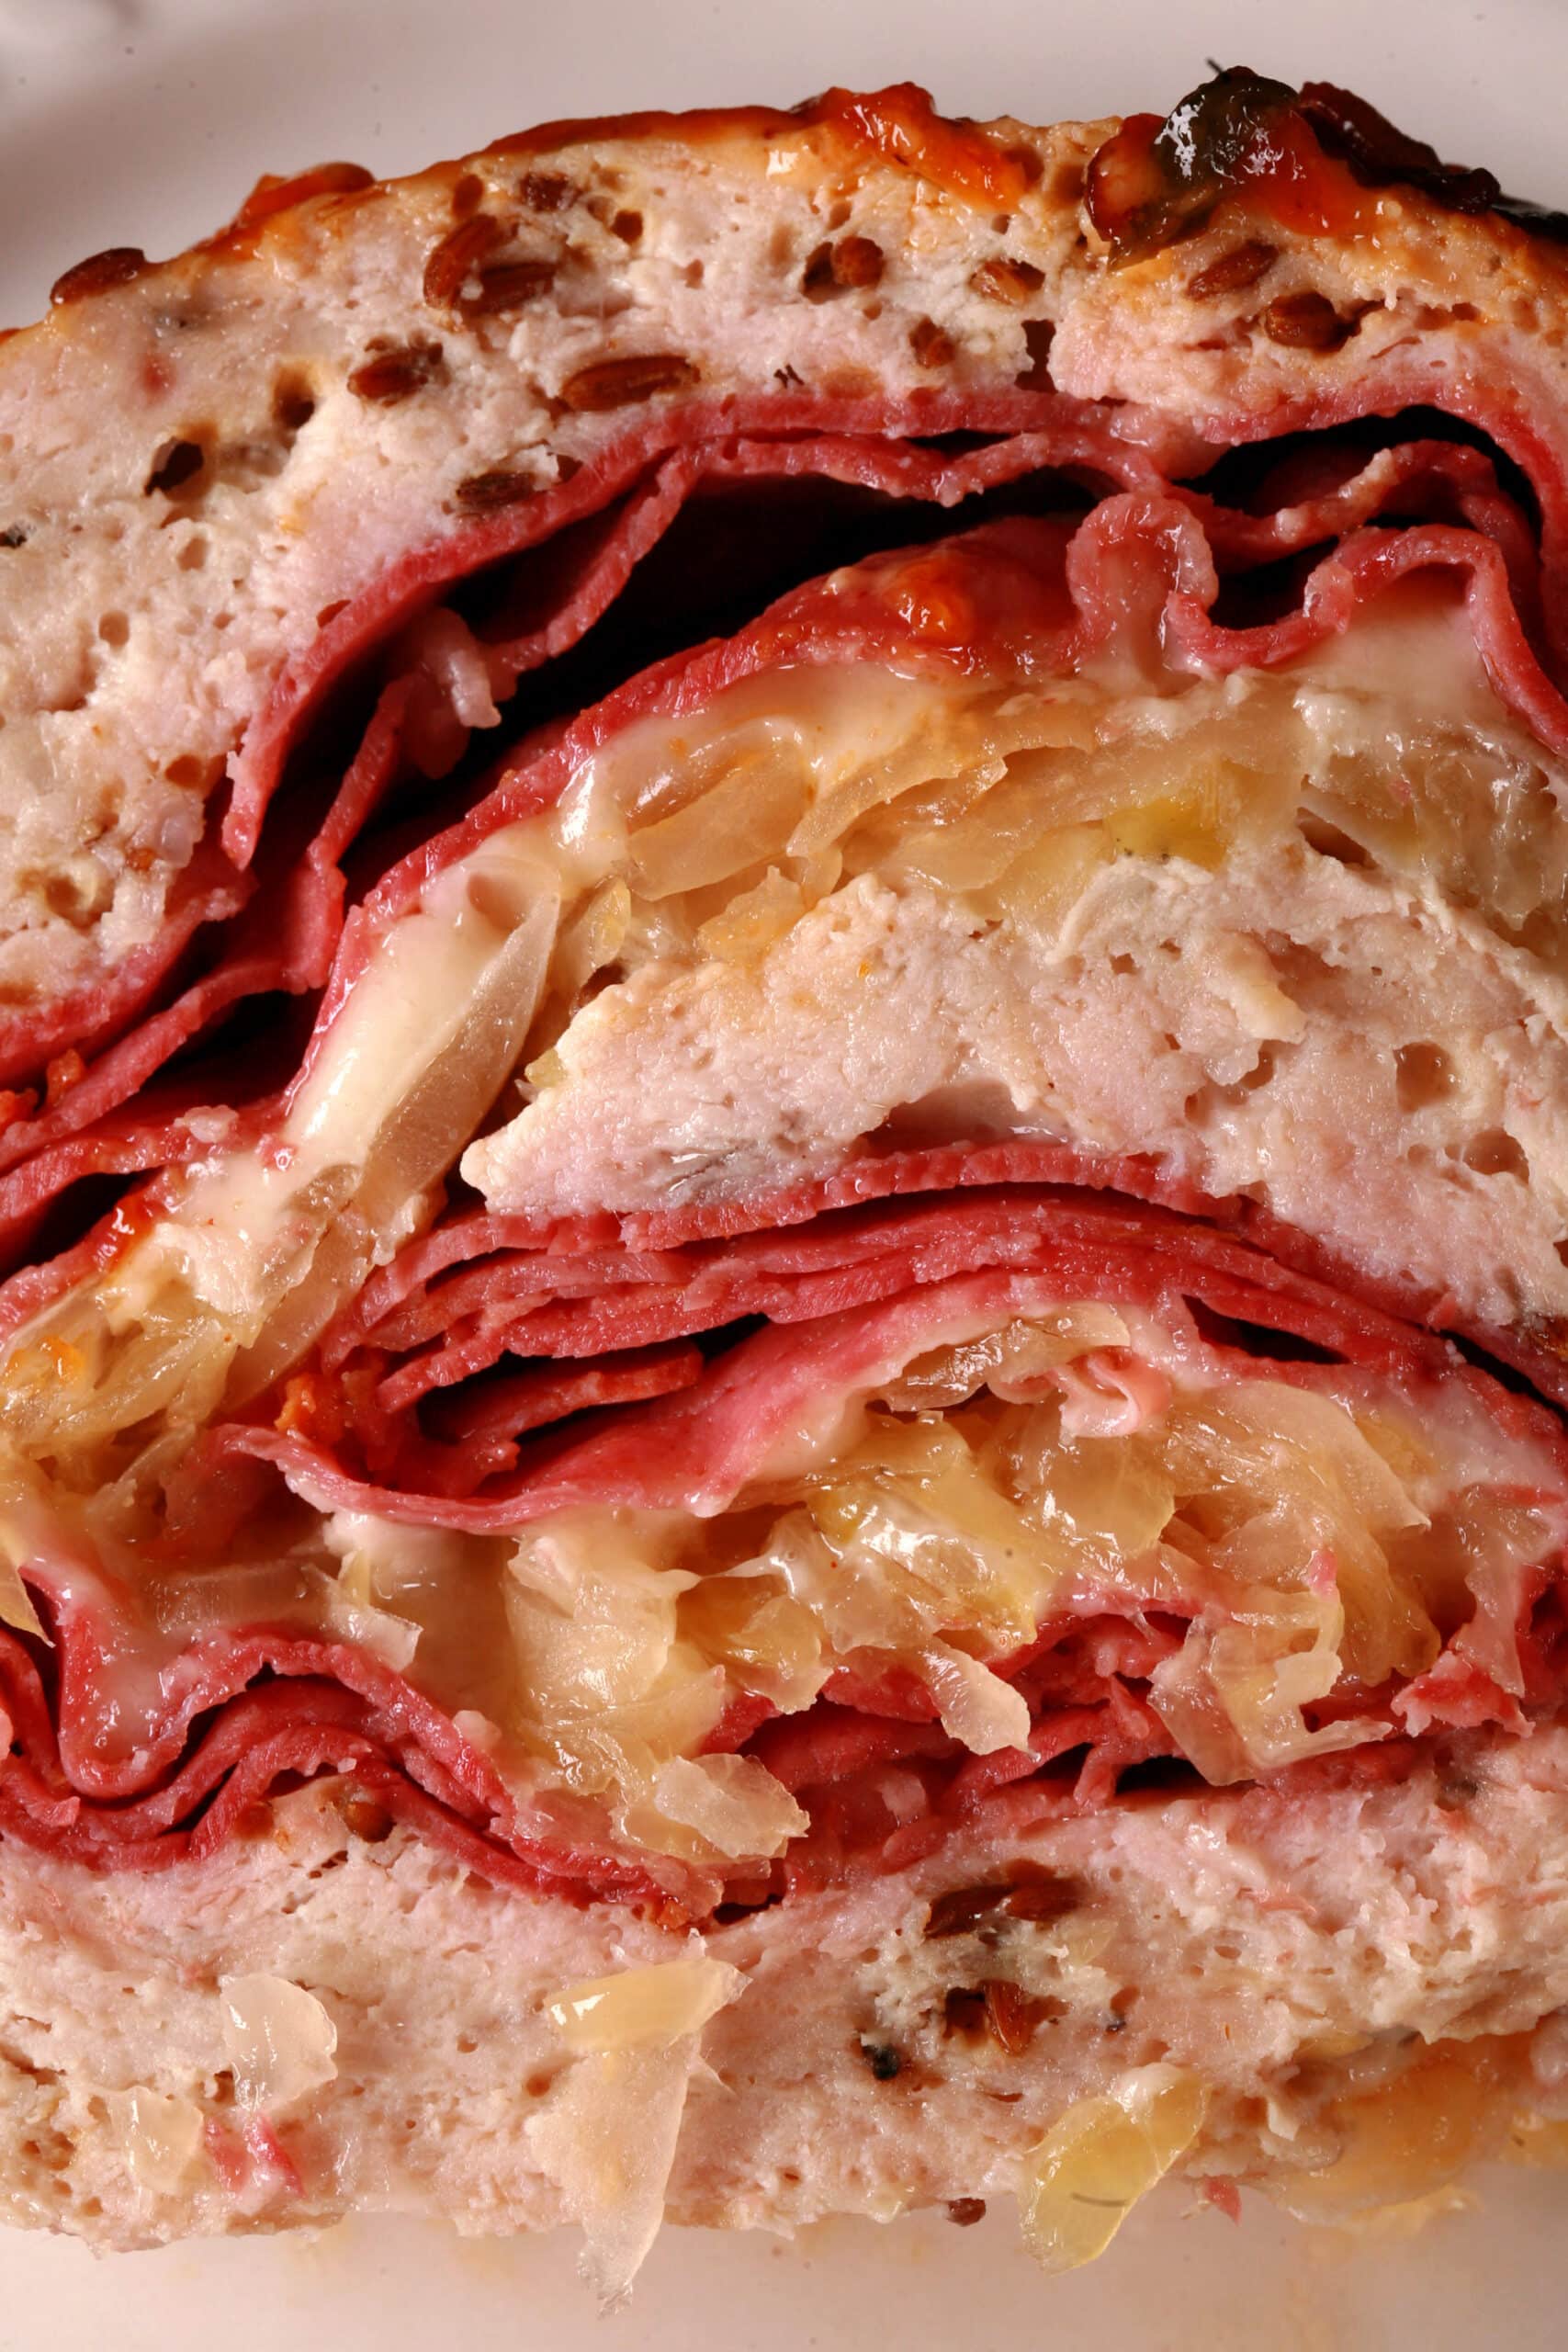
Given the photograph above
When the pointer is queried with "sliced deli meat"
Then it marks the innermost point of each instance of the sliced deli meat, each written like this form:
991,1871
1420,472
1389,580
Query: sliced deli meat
1003,1479
783,992
1047,853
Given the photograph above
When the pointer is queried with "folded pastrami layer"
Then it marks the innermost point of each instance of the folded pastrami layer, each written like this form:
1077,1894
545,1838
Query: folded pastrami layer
783,1201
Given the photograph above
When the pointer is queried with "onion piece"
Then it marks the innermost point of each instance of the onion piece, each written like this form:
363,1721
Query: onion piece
593,1623
1233,1695
593,938
15,1545
352,1614
1011,1363
733,1801
607,2138
748,813
977,1707
639,2007
259,1246
755,921
279,2040
1085,2177
162,2136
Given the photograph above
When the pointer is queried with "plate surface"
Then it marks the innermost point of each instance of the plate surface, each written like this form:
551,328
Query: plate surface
143,122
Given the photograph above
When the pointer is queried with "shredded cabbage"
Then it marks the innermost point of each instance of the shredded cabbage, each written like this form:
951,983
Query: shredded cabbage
657,2004
963,1508
707,836
607,2138
1083,2179
974,1705
279,2040
162,2136
1060,1461
732,1801
19,1540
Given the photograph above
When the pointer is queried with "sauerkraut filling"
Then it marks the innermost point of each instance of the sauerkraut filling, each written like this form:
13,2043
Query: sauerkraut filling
1075,1534
417,1361
953,1556
1296,934
1293,935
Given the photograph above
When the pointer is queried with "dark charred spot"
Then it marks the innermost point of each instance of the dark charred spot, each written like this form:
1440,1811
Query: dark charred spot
628,226
115,265
965,2211
882,2060
1378,151
1153,183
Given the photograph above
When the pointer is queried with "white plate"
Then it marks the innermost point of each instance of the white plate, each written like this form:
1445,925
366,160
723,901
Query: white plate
145,122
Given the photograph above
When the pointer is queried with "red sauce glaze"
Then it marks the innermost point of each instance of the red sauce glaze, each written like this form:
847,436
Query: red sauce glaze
272,195
1308,157
1153,182
900,124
